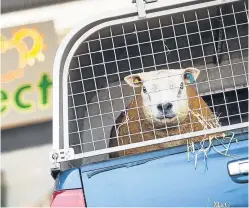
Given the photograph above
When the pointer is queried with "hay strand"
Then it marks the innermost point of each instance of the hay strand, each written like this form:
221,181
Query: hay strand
208,123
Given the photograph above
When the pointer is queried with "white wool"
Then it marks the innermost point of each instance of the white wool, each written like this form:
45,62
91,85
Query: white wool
163,87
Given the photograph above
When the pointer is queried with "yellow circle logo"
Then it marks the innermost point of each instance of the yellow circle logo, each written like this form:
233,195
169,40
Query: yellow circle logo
27,55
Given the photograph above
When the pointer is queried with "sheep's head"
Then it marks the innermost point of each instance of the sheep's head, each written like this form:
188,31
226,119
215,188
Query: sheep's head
164,93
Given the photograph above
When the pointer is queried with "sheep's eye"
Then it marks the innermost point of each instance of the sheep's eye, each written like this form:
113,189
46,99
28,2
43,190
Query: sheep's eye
144,90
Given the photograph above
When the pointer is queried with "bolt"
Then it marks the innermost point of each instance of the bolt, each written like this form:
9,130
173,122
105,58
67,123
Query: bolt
55,156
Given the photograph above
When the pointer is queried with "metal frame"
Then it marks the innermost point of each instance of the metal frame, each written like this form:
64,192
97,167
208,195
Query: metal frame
61,69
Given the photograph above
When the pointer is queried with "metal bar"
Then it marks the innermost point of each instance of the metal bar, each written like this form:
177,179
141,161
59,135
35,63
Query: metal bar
203,93
237,31
87,109
221,117
75,114
218,37
169,38
229,58
123,31
162,140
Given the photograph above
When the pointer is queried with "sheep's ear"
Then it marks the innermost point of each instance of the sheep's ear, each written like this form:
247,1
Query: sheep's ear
133,80
191,75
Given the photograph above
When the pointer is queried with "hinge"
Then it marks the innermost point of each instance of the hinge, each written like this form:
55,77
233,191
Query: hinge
141,6
57,156
61,155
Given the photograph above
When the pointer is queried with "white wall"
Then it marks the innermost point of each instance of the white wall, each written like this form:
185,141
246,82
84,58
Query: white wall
28,170
27,175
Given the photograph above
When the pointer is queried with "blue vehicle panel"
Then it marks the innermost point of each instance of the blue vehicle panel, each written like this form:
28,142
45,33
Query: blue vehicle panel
164,179
68,179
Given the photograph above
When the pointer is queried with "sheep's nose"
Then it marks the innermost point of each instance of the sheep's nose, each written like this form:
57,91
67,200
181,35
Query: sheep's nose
164,107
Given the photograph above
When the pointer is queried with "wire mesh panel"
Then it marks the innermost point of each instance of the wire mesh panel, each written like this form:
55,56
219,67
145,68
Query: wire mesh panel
213,40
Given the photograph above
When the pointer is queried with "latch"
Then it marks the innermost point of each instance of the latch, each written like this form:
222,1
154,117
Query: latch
141,6
238,170
62,155
57,156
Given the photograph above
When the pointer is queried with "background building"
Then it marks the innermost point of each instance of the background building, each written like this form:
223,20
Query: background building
31,31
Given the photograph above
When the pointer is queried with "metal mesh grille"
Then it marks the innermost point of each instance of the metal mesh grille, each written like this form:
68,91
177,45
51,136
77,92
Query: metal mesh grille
214,40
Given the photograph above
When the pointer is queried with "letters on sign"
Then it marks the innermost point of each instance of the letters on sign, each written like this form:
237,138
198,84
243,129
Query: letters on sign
27,54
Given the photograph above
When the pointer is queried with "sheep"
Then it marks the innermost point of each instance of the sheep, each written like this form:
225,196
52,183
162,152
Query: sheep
166,104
